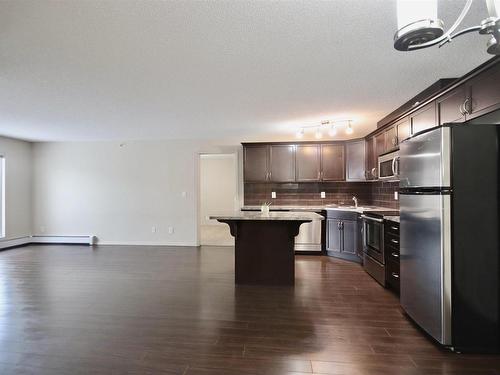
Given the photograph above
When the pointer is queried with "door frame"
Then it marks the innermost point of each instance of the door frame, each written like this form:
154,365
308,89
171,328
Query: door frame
238,186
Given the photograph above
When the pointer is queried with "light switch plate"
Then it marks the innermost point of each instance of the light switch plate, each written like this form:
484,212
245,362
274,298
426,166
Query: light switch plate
396,195
323,194
273,194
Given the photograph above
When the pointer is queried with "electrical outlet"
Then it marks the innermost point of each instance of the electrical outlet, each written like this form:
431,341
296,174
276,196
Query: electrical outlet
273,194
323,194
154,229
170,230
396,195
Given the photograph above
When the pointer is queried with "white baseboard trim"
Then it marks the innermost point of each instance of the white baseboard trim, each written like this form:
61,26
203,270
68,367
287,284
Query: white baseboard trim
12,242
147,243
84,240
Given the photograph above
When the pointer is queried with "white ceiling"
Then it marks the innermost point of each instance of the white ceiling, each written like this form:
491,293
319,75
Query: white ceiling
242,70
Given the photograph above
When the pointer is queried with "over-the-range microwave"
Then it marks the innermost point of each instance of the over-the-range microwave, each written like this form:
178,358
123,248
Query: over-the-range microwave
388,166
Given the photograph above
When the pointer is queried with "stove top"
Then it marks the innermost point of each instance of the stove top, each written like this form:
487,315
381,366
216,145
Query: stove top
381,214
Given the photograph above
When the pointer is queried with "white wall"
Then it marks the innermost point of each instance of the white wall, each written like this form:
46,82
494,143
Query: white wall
18,187
218,186
119,193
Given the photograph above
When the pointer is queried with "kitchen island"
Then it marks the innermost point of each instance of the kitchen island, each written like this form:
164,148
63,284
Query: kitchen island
264,245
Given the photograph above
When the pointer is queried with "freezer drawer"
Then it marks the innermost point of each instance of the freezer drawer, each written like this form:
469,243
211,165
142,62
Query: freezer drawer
425,264
425,160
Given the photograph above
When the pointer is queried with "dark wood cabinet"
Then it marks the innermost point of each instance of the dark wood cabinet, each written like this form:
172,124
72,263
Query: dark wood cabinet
332,162
424,118
483,93
391,138
256,163
308,162
450,106
355,160
342,240
380,143
391,255
403,129
282,163
371,159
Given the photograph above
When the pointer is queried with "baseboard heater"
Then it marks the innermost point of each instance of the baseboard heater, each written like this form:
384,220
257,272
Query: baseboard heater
77,240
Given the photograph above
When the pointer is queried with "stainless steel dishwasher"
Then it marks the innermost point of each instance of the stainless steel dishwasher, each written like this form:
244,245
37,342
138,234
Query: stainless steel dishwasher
309,237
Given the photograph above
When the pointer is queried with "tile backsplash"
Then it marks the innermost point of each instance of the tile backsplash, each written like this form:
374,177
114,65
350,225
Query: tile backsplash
375,193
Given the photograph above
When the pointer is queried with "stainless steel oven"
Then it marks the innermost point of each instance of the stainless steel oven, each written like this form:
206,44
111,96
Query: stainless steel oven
373,247
373,237
388,166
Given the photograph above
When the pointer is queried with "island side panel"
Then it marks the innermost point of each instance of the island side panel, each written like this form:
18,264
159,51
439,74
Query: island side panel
264,252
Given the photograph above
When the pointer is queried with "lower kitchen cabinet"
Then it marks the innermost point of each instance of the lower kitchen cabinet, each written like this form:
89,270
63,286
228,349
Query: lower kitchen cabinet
342,235
391,255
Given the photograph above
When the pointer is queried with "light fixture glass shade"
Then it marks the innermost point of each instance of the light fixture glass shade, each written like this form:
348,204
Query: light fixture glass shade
410,11
332,132
318,134
349,129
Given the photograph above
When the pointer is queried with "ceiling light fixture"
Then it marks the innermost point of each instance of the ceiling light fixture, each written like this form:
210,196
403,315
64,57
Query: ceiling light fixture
419,26
323,125
349,129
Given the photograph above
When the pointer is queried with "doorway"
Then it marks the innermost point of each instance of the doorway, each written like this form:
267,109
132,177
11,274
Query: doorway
218,195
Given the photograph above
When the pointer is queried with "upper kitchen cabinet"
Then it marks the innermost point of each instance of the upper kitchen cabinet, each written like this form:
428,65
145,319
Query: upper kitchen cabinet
256,163
450,107
380,144
332,162
424,118
403,129
308,162
355,160
391,138
282,163
483,93
371,158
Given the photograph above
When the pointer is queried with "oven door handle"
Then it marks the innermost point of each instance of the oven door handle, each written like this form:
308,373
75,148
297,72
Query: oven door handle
372,218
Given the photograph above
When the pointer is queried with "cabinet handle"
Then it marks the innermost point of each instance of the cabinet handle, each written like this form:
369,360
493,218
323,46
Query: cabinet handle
466,111
394,228
395,275
270,174
394,241
415,104
319,175
395,255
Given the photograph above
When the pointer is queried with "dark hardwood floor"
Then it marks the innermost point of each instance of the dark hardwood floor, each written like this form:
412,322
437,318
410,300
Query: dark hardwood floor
152,310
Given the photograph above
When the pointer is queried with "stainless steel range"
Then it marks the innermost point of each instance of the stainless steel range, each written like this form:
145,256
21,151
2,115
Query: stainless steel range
373,243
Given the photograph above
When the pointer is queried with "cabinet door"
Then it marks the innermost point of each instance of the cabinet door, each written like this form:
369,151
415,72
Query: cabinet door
308,162
282,161
391,139
333,235
256,163
424,118
332,162
403,129
349,236
483,93
355,161
371,159
449,107
380,144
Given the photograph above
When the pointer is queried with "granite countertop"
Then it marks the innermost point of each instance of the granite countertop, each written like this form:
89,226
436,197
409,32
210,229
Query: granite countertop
392,218
253,215
327,207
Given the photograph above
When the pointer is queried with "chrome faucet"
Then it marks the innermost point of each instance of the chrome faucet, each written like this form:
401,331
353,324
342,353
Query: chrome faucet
355,201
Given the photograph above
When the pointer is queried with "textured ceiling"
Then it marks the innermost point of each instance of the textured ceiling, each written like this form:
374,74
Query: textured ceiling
240,70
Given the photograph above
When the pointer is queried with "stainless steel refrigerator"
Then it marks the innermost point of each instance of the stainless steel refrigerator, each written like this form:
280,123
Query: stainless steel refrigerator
449,234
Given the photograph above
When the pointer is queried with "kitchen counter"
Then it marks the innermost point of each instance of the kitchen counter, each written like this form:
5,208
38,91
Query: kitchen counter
264,245
257,215
327,207
392,218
